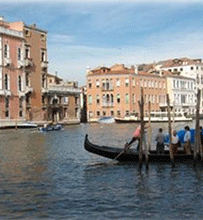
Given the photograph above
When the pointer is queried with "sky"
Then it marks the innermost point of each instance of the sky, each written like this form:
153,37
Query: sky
94,33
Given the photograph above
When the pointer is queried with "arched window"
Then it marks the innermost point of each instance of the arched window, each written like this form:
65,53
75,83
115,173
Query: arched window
90,99
6,51
118,98
126,98
112,98
6,82
19,83
19,53
107,98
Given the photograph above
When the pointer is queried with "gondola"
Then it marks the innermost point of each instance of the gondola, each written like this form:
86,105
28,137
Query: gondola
133,154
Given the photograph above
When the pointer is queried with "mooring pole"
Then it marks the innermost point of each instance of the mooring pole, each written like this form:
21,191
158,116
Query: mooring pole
150,127
141,105
197,148
169,129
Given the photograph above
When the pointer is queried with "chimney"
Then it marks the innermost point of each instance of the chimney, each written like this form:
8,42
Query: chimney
87,70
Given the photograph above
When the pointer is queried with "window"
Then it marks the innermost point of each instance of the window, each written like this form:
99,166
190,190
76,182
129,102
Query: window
97,83
127,98
21,102
181,69
27,52
43,37
118,83
19,83
97,99
6,81
90,99
6,51
112,100
27,33
43,56
19,54
107,98
20,113
98,113
90,85
118,113
127,112
104,113
191,67
197,68
112,113
7,102
118,98
126,82
134,83
27,81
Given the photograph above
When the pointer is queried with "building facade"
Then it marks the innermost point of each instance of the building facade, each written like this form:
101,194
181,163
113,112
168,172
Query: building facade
116,91
12,74
61,100
189,68
35,68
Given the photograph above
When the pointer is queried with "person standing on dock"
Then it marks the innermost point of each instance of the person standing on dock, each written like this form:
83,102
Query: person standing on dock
160,138
187,139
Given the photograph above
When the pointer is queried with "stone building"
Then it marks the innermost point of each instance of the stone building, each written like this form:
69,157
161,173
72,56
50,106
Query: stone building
115,91
12,85
61,100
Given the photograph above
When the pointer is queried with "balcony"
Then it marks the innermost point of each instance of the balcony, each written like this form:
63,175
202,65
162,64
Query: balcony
110,88
7,61
10,32
20,64
28,89
4,92
108,105
44,64
28,62
61,89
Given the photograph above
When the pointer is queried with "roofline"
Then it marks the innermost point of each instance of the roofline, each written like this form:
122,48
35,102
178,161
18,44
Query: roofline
35,28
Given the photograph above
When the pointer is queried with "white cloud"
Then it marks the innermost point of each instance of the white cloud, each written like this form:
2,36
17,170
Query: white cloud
60,38
71,61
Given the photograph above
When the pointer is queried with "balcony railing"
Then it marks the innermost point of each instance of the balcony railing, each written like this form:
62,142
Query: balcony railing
28,89
60,89
4,92
44,64
110,88
107,105
28,62
7,61
20,64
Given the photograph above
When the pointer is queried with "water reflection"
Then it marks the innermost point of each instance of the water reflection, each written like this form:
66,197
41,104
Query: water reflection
50,175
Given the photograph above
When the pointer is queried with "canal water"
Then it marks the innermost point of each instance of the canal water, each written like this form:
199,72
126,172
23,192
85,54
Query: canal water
51,176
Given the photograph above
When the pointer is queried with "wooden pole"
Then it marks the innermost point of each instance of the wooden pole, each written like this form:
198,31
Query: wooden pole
141,105
150,127
197,148
173,115
169,129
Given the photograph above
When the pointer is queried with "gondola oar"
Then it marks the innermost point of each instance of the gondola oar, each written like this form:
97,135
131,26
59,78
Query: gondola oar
126,148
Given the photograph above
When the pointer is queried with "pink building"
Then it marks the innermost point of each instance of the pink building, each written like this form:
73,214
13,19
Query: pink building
12,95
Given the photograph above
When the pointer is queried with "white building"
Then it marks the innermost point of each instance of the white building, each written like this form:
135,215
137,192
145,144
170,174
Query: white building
182,94
190,68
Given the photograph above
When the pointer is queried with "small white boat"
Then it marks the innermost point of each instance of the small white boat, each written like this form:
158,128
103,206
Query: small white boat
106,120
155,117
27,125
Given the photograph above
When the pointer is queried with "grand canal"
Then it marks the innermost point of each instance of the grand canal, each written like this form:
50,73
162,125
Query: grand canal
51,176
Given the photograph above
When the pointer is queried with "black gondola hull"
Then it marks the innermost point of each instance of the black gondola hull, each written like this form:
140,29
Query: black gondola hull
132,154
